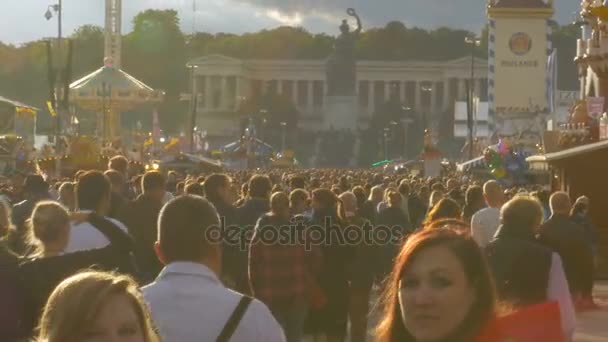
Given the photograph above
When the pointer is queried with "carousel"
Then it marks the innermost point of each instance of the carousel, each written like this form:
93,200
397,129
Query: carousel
109,92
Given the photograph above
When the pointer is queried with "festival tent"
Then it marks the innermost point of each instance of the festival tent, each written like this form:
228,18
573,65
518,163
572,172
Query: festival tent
239,147
17,118
186,162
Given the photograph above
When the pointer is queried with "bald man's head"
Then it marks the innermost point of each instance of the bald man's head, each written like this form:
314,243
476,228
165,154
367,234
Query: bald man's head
493,194
560,203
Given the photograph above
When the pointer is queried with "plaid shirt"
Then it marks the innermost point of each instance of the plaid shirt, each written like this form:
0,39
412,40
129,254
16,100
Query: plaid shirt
281,274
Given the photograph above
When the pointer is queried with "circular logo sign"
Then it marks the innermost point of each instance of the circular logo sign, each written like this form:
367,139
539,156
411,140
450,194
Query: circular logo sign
520,43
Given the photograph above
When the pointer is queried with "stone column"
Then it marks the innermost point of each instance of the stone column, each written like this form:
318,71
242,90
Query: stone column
208,95
418,105
224,93
311,102
387,90
238,93
462,89
433,98
445,102
280,87
294,92
264,87
404,93
477,85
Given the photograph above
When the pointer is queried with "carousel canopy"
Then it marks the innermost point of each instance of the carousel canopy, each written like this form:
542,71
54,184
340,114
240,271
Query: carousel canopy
119,85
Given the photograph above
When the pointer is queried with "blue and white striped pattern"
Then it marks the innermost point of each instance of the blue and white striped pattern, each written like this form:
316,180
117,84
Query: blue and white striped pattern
491,75
550,83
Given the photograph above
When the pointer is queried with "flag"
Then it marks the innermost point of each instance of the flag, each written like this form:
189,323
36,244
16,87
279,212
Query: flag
51,109
552,81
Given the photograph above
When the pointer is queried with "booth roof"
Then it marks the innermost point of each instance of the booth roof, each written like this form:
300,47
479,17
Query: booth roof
571,152
16,103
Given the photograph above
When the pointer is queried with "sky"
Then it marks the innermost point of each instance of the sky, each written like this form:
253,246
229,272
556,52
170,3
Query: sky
23,20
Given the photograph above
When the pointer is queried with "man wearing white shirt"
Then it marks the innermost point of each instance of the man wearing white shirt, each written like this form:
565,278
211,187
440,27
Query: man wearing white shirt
187,301
485,222
92,195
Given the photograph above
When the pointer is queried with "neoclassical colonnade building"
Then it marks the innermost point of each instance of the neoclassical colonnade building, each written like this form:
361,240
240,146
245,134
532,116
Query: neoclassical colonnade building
427,87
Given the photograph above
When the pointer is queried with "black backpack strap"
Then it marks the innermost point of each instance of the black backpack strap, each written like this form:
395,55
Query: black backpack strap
235,319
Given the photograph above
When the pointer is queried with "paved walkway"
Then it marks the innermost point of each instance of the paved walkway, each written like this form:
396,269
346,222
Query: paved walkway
593,326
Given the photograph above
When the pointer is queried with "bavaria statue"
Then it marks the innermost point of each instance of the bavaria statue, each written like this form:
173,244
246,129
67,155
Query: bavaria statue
342,64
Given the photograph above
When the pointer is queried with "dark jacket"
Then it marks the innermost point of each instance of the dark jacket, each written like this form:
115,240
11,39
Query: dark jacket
236,252
39,277
11,298
118,204
141,218
567,239
397,222
332,278
520,267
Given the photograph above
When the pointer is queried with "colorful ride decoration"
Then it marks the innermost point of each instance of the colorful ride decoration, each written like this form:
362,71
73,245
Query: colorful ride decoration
505,161
430,150
110,92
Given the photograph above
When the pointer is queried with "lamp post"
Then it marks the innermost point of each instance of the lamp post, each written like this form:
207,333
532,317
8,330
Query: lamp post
428,90
405,121
57,8
193,106
474,42
263,114
283,136
392,135
386,133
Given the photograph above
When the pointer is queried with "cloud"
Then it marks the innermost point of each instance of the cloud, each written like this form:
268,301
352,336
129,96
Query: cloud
23,20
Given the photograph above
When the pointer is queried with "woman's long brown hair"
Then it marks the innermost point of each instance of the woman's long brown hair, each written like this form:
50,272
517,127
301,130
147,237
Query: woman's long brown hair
392,328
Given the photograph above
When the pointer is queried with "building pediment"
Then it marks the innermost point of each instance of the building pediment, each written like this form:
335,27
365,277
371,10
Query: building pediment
215,59
466,60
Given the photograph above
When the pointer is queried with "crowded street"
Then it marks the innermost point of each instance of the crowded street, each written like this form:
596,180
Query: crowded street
318,171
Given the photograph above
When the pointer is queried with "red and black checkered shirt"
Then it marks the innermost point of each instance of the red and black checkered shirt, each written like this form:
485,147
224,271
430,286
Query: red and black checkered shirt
280,273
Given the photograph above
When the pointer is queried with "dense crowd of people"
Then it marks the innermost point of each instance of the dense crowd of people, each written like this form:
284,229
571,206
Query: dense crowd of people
275,256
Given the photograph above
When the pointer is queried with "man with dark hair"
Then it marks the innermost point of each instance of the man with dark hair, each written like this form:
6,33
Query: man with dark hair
218,190
118,202
141,217
194,189
567,239
93,191
297,182
120,164
247,215
187,301
525,272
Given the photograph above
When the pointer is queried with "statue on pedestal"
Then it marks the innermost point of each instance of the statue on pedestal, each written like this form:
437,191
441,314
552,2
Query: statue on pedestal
341,66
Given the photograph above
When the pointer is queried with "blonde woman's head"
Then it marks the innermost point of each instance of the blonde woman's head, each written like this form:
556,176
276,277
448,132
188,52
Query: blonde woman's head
98,305
50,227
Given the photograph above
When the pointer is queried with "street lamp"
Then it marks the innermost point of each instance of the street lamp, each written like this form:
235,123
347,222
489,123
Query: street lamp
193,105
386,133
284,136
428,90
474,42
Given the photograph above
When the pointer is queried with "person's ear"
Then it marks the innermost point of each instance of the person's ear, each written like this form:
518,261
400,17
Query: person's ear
159,253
